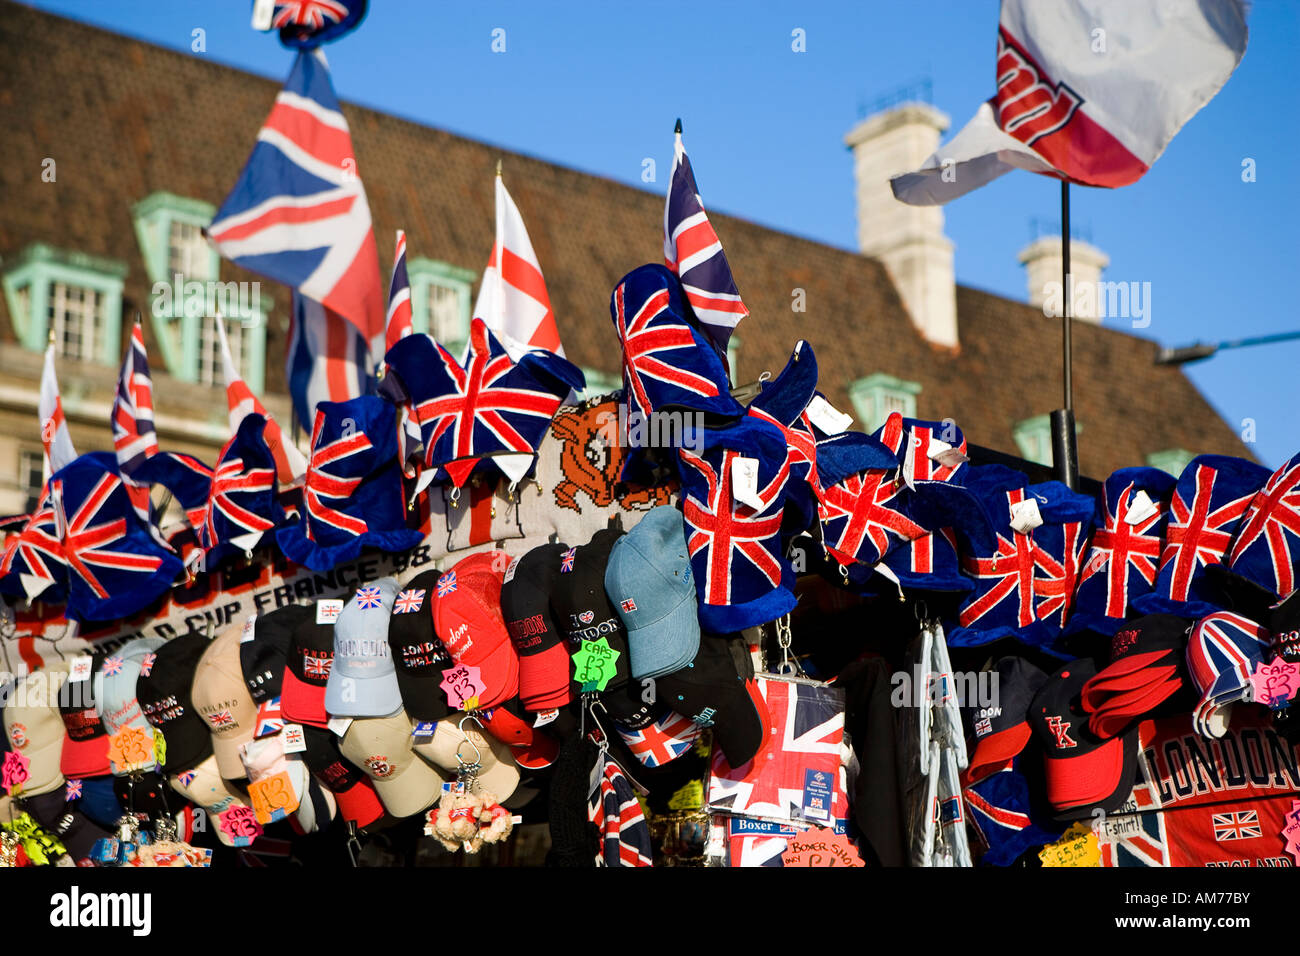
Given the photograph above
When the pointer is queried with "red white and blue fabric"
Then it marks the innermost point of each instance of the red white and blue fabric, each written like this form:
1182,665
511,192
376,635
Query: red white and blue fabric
624,833
32,564
269,718
662,740
1208,506
242,503
134,437
326,359
304,24
1002,809
353,496
298,214
666,360
741,576
1222,653
867,515
1125,551
1266,550
115,567
927,451
693,252
398,323
54,425
189,481
491,406
409,601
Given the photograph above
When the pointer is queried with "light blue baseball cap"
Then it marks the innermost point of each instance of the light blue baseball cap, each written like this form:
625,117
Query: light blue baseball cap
648,579
363,678
114,688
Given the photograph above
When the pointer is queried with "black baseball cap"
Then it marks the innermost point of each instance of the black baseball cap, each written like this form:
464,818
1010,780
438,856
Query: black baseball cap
75,830
163,690
1284,624
584,612
85,746
311,655
1082,771
717,690
351,787
1000,729
264,658
418,653
544,667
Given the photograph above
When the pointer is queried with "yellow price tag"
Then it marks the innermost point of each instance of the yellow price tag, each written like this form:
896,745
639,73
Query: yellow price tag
689,797
159,748
1076,847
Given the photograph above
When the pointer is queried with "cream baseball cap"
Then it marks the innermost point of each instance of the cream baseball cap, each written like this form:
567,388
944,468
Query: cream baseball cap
382,747
498,774
30,724
228,810
221,698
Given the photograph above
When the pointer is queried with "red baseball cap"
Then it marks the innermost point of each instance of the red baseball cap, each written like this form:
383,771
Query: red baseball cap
85,744
532,748
539,643
356,796
311,655
467,617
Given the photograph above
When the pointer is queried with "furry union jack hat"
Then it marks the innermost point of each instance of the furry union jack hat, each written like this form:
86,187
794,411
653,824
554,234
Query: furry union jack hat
490,413
352,497
1209,503
32,564
926,451
115,566
733,489
242,503
1128,531
305,24
1024,583
1266,551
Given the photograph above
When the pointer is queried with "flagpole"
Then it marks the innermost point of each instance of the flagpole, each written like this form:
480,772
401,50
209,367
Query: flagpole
1065,449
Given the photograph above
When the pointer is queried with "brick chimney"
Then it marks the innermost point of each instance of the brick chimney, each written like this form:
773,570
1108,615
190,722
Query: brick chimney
1042,262
909,240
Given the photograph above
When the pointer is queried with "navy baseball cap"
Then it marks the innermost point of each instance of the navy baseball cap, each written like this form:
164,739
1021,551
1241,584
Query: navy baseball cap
717,690
1001,729
648,578
418,653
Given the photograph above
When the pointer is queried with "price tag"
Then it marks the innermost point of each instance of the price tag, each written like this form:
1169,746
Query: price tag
294,740
1140,507
327,610
1291,830
545,717
463,685
246,634
159,748
1025,516
1274,684
15,771
130,749
820,847
339,725
744,482
816,794
827,417
80,668
1076,847
510,571
273,797
239,823
425,728
594,665
688,797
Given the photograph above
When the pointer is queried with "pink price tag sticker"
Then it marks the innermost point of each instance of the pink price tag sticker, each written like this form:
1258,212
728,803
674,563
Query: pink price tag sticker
463,686
1276,683
1291,830
14,772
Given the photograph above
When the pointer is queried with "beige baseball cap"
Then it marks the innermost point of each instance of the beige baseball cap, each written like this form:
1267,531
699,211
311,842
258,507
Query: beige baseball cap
382,747
35,727
498,774
221,698
229,812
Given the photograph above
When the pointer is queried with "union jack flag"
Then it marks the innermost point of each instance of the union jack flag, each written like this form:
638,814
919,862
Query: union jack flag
665,361
308,13
398,324
222,718
662,740
33,556
694,253
1058,555
1200,530
1238,825
1265,545
269,719
225,516
865,515
134,438
628,605
112,665
85,543
318,667
369,598
1008,572
613,807
1121,550
186,777
408,601
447,584
566,559
323,483
72,791
146,665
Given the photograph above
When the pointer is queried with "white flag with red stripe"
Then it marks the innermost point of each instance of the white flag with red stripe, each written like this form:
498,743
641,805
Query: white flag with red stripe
290,463
512,299
54,427
1090,91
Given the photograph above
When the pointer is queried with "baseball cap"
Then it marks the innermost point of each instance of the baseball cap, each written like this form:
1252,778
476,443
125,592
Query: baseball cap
363,681
455,739
264,759
34,727
717,690
85,749
75,830
164,695
356,797
264,654
221,698
648,578
1147,668
526,606
531,747
1001,730
1223,652
661,738
384,749
1284,624
467,616
228,809
418,655
1081,770
582,609
311,654
115,695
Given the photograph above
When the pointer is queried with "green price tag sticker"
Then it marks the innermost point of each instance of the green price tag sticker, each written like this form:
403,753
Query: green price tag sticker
593,665
159,748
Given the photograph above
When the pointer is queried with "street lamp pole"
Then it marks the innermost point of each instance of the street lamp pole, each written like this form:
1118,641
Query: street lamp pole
1203,350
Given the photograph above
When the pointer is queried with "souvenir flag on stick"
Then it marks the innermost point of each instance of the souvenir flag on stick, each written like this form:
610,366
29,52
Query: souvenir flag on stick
327,359
134,438
398,323
290,463
54,427
512,299
694,253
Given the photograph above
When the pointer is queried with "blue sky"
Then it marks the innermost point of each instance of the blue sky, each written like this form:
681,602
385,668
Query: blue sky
598,85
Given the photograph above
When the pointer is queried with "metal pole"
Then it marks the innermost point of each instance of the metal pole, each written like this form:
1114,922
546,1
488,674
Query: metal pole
1065,451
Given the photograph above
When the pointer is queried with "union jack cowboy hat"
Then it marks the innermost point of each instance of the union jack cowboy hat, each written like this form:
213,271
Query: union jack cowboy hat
352,496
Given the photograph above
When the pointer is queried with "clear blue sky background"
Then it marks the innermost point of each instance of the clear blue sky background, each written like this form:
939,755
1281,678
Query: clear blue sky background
597,86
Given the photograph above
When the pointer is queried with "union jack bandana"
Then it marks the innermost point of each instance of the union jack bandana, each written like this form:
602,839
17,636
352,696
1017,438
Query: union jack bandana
566,559
408,601
447,584
1266,550
1209,504
369,598
663,740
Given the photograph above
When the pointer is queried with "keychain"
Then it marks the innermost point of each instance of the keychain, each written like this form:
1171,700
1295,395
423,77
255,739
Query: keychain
466,816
